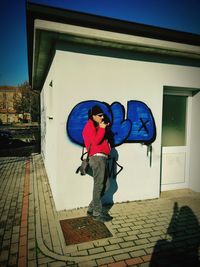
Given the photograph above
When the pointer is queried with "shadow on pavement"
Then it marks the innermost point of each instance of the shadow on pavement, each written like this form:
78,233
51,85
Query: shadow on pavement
23,151
182,249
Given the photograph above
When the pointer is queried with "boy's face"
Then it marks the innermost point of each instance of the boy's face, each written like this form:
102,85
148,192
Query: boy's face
98,118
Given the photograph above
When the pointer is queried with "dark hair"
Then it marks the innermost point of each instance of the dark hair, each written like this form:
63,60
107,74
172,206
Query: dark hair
94,111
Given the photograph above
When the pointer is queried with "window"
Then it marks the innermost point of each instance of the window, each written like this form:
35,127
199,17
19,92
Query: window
174,120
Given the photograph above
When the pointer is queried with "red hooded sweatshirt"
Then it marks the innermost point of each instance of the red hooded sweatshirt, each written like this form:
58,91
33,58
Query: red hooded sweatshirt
96,137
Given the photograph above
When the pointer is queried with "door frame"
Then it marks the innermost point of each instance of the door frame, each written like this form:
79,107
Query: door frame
186,148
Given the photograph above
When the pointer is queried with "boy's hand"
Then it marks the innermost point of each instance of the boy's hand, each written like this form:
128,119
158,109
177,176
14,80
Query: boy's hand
103,124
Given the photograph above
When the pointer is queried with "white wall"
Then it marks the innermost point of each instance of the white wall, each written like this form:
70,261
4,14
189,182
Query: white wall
78,77
195,144
49,130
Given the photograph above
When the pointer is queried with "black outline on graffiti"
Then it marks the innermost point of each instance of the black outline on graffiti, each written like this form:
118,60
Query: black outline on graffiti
109,108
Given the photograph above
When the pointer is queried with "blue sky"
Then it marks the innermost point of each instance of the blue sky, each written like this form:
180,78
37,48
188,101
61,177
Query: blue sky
182,15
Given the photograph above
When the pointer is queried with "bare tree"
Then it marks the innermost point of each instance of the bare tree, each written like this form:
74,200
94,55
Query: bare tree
27,102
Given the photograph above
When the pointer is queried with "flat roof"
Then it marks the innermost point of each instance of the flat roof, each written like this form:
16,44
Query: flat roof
47,26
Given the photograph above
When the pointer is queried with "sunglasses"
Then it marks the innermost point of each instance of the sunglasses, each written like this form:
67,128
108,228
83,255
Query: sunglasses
100,115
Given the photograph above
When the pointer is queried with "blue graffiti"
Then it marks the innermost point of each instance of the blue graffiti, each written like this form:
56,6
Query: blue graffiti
138,127
120,126
143,128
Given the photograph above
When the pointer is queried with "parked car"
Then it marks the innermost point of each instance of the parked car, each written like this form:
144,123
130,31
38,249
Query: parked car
5,138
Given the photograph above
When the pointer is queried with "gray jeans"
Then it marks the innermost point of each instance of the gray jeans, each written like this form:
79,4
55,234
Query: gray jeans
98,165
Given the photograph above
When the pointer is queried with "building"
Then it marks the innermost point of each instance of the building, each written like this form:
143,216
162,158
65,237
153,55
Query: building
147,80
8,95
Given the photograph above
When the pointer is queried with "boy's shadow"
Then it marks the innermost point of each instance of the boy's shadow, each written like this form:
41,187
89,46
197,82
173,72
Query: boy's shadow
111,186
182,249
113,169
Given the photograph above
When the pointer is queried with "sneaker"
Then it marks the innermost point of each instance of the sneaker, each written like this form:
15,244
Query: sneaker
102,218
89,213
108,216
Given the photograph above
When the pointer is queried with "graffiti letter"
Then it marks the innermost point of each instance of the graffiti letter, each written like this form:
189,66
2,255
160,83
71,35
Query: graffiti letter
139,127
143,124
120,127
79,116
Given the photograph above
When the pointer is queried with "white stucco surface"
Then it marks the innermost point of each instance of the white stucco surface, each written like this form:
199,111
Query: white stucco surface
195,145
78,77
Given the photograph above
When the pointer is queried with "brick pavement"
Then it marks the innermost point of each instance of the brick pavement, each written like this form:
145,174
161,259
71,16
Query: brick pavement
159,232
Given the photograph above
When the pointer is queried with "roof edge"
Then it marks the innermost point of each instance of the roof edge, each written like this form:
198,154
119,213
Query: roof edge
109,24
43,12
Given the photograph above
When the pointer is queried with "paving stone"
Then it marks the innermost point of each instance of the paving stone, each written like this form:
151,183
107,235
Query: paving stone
157,228
14,248
45,260
136,227
153,239
91,263
32,263
58,249
31,235
105,260
145,264
124,229
115,226
101,243
146,258
121,234
141,241
146,235
138,253
4,264
131,238
2,231
16,229
128,224
119,222
127,244
112,247
120,257
139,223
4,255
85,246
116,240
7,234
134,261
96,250
72,248
32,254
79,253
13,259
118,264
156,233
146,230
57,264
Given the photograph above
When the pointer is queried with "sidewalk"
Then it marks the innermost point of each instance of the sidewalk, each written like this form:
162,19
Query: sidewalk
160,232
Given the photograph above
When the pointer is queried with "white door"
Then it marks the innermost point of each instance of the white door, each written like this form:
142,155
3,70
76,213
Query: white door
175,142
